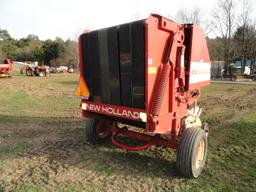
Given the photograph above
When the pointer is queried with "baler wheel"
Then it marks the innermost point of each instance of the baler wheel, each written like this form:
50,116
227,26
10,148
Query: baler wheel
97,131
192,152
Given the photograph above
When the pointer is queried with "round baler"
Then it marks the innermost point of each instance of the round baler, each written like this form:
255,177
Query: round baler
142,80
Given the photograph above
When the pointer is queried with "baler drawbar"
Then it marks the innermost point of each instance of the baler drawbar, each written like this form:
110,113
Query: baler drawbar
142,80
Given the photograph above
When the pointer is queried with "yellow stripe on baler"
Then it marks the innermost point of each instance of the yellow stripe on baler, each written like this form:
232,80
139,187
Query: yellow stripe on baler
152,70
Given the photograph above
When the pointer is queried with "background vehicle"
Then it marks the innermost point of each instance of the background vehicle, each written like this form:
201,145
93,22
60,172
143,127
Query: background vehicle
6,68
36,70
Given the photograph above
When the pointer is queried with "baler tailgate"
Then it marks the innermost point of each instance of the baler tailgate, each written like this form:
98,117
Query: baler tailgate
114,64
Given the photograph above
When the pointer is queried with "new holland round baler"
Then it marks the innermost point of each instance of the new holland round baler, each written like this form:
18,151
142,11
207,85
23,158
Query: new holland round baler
142,80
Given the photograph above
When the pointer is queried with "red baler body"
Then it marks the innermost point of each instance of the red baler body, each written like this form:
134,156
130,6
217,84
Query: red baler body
177,65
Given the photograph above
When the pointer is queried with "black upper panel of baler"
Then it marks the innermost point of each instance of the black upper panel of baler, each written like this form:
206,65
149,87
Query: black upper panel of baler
114,64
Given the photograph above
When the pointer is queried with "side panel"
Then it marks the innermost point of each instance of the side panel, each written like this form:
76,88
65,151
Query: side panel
199,69
157,41
165,46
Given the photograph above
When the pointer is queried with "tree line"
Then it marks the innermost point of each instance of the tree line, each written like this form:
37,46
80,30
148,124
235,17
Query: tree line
49,52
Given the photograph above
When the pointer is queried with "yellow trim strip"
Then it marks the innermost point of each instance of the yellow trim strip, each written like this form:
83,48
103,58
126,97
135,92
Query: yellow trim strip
152,70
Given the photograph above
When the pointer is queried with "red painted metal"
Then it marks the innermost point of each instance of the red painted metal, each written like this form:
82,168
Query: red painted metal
81,54
149,140
6,67
172,83
137,136
167,62
199,54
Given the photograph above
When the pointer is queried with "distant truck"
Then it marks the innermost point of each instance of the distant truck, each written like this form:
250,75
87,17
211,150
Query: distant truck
6,68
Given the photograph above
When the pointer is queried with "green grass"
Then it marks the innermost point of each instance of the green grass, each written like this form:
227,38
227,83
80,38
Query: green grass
30,188
43,147
231,161
8,150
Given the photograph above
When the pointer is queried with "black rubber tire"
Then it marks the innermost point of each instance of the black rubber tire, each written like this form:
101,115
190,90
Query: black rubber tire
187,151
29,72
91,133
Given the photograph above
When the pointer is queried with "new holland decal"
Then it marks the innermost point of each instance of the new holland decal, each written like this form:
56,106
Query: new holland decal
112,111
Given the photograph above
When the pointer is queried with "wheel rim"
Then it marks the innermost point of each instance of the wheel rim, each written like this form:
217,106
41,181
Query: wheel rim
200,153
102,129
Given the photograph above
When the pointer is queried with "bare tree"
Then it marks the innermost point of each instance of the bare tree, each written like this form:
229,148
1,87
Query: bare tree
224,20
193,15
244,21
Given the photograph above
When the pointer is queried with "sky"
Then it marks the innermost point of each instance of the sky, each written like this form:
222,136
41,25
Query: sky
49,19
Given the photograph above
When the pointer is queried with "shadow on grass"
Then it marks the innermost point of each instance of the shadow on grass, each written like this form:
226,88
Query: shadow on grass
63,139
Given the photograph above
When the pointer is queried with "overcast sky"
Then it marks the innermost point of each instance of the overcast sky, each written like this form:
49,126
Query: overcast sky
68,18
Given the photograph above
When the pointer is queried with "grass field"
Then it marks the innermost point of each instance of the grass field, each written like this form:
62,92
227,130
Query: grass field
43,146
